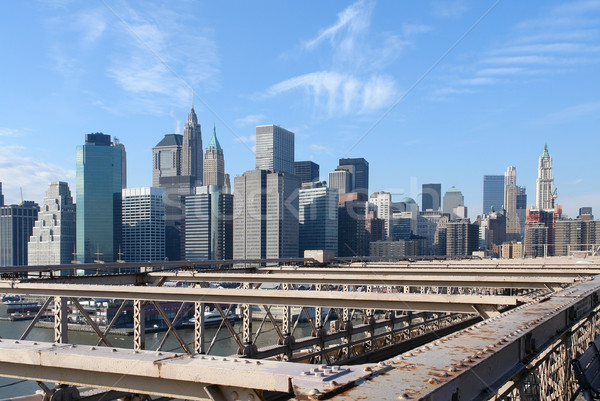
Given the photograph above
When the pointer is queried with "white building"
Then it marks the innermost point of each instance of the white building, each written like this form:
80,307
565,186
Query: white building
53,239
382,202
274,149
545,182
143,224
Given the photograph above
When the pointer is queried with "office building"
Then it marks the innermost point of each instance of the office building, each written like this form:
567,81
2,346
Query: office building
1,196
274,149
265,223
431,197
381,202
209,224
539,232
318,218
340,180
166,158
576,236
353,238
493,193
214,162
176,188
452,198
394,249
98,179
582,210
52,241
375,227
191,149
16,226
307,171
545,182
119,145
462,238
427,226
359,169
143,228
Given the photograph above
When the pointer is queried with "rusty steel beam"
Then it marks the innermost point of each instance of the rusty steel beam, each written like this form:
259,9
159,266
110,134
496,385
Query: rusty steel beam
334,299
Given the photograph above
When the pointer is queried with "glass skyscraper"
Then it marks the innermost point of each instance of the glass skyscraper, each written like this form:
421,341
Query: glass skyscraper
274,149
493,193
98,199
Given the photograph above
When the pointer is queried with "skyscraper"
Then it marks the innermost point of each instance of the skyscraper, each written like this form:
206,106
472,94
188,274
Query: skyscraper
452,198
98,199
493,193
382,202
353,237
191,150
307,171
431,197
340,181
118,144
274,149
360,179
318,215
545,182
16,226
1,196
166,158
462,238
53,239
176,188
143,211
214,162
209,224
265,223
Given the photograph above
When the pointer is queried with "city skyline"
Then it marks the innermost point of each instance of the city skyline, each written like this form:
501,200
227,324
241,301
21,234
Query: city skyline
523,76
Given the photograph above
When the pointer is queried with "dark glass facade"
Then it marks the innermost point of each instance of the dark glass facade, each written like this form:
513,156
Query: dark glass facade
431,197
16,225
360,174
307,171
493,193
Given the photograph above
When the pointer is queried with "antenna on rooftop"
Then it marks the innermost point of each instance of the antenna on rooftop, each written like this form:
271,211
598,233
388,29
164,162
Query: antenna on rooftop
22,201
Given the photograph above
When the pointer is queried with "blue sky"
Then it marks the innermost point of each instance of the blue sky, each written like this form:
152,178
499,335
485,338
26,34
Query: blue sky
440,91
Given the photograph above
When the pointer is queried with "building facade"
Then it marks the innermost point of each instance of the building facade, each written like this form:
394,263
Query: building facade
431,197
52,241
143,229
166,158
382,204
307,171
98,192
545,182
318,218
360,173
191,149
274,149
209,224
214,162
340,180
452,198
353,238
462,238
493,193
16,226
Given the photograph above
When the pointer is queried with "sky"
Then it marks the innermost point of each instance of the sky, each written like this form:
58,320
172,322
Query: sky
434,91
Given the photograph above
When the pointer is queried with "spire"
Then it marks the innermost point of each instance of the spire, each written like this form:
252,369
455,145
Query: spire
192,118
545,155
214,142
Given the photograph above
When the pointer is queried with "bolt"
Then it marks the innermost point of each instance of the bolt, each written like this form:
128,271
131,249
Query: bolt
314,392
114,350
258,363
234,396
367,369
452,369
92,348
250,397
405,397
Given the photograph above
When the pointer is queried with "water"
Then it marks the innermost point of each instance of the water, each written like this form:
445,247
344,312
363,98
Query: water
224,345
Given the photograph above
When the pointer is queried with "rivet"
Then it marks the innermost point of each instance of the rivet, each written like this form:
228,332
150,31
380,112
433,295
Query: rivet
92,348
367,369
114,350
258,363
235,396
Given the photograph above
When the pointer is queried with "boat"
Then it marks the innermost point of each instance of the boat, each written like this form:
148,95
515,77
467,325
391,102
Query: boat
212,318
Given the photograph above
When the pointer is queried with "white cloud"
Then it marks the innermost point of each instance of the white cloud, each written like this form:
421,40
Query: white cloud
448,9
92,24
340,93
251,119
319,148
28,174
571,113
245,139
11,132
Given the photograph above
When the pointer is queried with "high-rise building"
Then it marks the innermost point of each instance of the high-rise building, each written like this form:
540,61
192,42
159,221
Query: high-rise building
493,193
318,217
539,232
340,181
191,149
214,162
209,224
176,187
52,241
545,182
265,223
119,145
382,204
580,235
98,199
462,238
274,149
166,158
307,171
582,210
426,228
1,196
143,214
452,198
353,238
16,226
360,174
431,197
375,227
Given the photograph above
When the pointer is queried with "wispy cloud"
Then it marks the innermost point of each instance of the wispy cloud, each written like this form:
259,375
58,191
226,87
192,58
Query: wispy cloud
251,119
448,9
29,174
570,114
11,132
563,38
316,148
247,140
354,78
